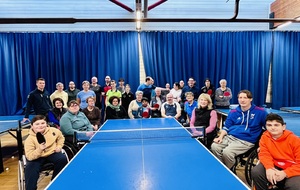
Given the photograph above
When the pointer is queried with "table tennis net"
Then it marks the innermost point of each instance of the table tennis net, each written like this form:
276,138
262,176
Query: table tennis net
143,133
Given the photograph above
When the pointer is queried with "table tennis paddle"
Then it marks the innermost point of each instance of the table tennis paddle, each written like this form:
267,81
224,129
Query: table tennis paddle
40,138
209,92
156,106
145,114
226,93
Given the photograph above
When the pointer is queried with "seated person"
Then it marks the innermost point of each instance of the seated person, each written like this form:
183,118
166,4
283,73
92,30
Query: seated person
204,115
279,157
189,106
114,110
56,113
241,130
144,111
47,152
170,108
134,106
93,113
74,120
156,103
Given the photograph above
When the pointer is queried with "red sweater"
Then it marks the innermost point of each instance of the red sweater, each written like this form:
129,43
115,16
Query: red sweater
285,149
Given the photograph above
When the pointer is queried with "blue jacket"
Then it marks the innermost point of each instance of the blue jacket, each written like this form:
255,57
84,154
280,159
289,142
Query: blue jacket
246,125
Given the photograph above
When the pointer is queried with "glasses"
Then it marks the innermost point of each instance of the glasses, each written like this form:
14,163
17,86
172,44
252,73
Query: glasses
74,105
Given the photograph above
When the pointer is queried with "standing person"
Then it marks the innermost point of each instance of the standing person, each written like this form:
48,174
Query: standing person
147,87
113,91
105,88
121,86
92,113
127,97
59,93
170,108
190,88
209,89
84,94
97,89
134,105
279,157
56,112
204,115
72,92
37,154
241,130
181,84
39,99
223,95
176,92
114,110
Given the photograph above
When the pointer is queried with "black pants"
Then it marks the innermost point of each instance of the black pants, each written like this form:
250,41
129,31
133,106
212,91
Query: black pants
33,168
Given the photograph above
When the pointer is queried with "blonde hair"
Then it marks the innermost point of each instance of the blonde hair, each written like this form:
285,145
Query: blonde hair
206,97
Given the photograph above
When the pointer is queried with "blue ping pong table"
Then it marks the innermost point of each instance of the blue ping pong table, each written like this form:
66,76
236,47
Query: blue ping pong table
7,125
151,163
291,109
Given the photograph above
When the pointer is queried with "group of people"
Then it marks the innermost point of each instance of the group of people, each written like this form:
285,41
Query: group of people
188,104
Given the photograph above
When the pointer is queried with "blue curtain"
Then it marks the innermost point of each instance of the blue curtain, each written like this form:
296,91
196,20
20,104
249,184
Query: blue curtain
242,58
24,57
285,69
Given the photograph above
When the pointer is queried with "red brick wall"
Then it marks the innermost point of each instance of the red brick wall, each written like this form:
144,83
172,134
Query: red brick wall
285,9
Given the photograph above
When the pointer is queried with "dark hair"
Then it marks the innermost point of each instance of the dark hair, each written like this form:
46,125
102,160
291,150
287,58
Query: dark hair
276,117
38,117
72,102
87,99
147,79
247,92
121,79
57,99
112,98
42,79
207,79
176,84
146,99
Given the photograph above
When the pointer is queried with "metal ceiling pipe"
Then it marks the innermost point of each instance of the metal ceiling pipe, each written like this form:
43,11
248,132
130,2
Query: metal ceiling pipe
122,5
77,20
156,4
145,8
236,9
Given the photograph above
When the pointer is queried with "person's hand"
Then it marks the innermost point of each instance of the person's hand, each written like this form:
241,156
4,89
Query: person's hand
42,146
57,149
168,116
221,96
95,127
218,140
25,120
89,133
197,133
271,176
280,175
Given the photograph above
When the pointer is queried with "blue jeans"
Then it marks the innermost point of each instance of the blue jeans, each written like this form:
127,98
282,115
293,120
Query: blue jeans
33,168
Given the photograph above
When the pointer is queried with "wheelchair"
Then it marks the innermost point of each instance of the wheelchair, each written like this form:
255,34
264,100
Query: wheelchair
46,169
248,160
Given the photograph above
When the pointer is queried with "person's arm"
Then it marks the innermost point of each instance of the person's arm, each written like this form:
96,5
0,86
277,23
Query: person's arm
178,111
218,95
59,141
65,99
66,126
163,111
212,122
192,121
32,151
109,113
130,109
227,98
52,118
28,107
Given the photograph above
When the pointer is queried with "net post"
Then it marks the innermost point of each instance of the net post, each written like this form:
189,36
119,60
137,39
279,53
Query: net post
19,140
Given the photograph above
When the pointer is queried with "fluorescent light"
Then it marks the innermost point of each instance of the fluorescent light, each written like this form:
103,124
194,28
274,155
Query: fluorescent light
138,15
138,25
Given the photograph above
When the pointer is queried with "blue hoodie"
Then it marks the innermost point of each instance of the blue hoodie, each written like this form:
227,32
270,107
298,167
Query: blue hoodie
246,125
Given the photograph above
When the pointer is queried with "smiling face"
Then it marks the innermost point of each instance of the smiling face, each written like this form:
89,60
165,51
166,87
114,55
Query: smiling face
115,102
39,126
275,128
58,104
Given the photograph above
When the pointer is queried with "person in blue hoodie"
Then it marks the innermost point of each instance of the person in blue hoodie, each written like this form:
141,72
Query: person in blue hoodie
242,129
